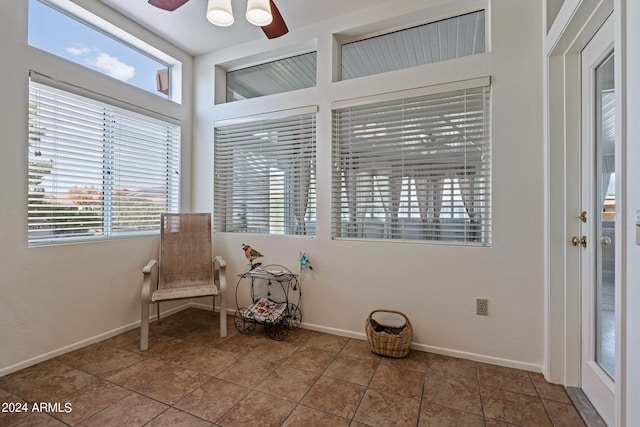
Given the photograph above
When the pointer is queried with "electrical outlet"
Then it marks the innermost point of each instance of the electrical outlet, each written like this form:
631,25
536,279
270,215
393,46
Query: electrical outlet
482,307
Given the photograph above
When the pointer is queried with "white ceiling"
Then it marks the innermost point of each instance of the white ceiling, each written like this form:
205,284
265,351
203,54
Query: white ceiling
187,27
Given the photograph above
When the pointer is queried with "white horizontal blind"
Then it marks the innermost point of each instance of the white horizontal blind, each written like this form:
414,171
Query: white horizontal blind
416,168
96,170
265,176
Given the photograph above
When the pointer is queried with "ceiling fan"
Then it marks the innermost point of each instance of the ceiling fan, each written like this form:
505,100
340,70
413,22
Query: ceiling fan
276,28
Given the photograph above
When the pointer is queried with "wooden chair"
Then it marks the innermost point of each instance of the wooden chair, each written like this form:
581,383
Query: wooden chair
186,268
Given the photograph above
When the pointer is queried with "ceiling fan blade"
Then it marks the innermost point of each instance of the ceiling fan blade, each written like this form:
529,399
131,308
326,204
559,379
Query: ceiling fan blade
277,27
169,5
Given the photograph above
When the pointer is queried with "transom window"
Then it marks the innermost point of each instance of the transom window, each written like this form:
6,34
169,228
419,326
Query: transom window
283,75
96,170
68,37
446,39
415,168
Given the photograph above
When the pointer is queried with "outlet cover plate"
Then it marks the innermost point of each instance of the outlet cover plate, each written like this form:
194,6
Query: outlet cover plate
482,307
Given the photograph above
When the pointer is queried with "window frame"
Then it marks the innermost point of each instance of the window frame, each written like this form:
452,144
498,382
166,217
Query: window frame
109,174
355,191
409,27
263,67
173,75
224,180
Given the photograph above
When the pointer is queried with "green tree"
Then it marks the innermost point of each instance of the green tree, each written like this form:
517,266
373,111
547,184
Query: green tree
82,215
38,167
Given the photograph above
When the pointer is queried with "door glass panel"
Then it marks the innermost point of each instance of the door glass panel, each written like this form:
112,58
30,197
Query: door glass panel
605,227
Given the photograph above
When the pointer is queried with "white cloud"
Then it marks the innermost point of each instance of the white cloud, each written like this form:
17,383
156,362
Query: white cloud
103,62
78,51
112,66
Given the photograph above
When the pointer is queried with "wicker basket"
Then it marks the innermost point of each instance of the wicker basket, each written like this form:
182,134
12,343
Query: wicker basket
391,341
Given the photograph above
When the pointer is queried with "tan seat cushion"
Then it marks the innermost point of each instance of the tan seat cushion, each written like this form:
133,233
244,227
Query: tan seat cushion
184,292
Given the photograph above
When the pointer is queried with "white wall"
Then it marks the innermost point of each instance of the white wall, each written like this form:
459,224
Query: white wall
55,298
435,285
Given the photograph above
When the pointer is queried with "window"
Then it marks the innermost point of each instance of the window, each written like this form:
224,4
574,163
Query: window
450,38
414,168
265,176
96,170
74,40
283,75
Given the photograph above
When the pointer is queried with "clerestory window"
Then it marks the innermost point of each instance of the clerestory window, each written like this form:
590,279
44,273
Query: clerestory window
450,38
99,45
279,76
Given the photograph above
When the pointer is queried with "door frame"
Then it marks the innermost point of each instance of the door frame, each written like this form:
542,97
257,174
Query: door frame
574,25
571,32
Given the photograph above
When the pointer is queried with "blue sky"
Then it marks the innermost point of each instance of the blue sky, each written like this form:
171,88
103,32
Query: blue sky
63,36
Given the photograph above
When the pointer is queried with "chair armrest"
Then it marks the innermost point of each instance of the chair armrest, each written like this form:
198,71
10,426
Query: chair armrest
221,262
220,265
147,268
150,272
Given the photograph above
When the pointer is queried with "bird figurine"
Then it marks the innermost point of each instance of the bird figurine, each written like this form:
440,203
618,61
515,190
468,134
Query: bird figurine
304,262
251,254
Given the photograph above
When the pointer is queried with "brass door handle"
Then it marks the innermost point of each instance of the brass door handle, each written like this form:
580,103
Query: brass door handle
583,241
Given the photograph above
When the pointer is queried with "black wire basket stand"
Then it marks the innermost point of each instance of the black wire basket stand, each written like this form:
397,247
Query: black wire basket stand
275,294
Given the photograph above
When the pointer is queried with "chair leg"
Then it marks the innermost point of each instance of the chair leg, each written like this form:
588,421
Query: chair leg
150,274
158,309
223,316
144,327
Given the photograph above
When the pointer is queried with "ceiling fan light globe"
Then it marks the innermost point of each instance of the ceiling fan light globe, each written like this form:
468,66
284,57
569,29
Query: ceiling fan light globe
219,12
259,12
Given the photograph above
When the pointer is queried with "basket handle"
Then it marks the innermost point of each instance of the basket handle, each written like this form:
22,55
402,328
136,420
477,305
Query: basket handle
390,311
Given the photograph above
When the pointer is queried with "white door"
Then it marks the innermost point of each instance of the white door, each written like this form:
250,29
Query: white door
598,223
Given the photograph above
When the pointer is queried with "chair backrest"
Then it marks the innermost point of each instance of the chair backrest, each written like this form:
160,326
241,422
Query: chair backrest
185,250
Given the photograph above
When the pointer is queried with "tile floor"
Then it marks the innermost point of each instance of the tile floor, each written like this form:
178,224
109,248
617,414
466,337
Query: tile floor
192,377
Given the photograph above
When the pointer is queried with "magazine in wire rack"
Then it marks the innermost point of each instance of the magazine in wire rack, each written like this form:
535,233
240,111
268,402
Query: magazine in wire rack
265,310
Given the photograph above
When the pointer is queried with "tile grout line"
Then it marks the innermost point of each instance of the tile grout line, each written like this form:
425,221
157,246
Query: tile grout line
126,345
546,411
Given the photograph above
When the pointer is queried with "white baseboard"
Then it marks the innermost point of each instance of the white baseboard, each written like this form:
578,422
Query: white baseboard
207,307
507,363
532,367
83,343
340,332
